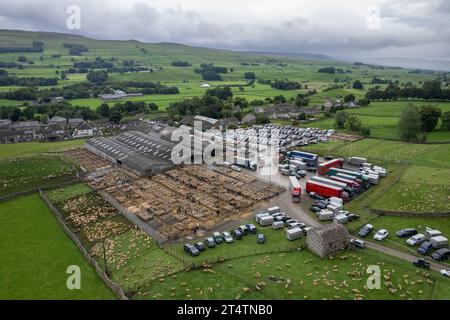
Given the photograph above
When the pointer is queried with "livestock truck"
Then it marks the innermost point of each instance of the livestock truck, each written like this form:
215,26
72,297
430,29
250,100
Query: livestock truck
335,183
326,190
309,158
295,189
325,166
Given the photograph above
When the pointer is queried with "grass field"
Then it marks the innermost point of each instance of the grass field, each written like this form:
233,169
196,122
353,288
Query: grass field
26,148
27,173
35,254
382,119
300,275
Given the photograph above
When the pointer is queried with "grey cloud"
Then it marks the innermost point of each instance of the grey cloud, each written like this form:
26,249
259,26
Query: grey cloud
336,31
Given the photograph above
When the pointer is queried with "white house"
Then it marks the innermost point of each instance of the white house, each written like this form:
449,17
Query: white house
84,130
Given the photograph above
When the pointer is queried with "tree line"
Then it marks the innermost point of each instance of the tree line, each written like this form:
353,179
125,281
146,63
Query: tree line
430,90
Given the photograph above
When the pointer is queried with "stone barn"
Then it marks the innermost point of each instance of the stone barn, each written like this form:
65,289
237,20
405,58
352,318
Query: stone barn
328,239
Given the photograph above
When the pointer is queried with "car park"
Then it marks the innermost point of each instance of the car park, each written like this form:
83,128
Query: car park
261,238
217,237
441,254
210,243
357,243
406,233
381,235
366,230
200,246
237,234
251,228
425,248
421,263
189,248
445,273
416,239
227,237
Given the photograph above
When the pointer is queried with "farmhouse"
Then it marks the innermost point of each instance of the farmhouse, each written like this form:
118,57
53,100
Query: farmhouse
140,153
328,239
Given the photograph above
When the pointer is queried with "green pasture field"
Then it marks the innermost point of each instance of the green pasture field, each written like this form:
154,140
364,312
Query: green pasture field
382,119
27,173
27,148
36,252
300,275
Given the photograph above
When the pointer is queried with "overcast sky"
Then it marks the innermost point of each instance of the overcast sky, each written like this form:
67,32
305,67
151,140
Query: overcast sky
347,29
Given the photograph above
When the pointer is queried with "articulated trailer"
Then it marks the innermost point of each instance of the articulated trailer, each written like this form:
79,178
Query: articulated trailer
329,181
326,190
350,182
309,158
325,166
356,174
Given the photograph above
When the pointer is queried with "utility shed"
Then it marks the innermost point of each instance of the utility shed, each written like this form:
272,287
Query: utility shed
138,152
328,239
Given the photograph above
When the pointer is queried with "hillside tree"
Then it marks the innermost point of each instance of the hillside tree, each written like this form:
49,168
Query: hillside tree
410,124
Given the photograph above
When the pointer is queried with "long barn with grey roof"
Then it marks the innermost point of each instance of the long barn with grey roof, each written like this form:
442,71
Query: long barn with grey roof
138,152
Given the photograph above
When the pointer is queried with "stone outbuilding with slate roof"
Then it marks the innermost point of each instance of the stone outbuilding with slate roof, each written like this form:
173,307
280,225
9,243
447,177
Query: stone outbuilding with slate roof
328,239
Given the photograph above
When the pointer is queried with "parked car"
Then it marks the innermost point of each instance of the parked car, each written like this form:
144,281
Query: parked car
425,248
343,212
311,169
320,205
292,225
189,248
406,233
237,234
236,168
358,243
421,263
315,196
381,235
210,243
416,239
328,158
441,254
313,208
243,229
261,238
227,237
217,237
200,246
251,228
445,273
301,173
364,232
352,217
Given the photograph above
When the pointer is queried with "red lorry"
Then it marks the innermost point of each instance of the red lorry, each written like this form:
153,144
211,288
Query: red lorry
325,166
326,190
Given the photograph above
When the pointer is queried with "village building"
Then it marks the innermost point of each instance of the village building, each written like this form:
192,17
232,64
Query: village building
283,111
249,119
57,120
75,123
84,130
328,239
